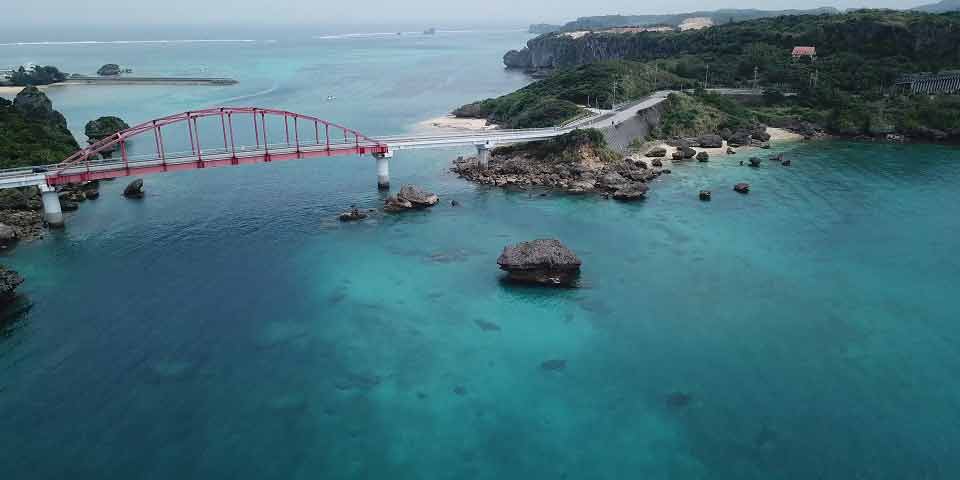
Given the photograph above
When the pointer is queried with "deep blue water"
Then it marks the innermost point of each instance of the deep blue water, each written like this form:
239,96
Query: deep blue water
227,326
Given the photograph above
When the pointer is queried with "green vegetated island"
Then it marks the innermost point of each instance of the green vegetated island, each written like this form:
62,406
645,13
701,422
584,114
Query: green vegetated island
856,82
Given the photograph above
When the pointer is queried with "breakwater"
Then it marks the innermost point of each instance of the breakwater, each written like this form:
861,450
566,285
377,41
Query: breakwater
84,80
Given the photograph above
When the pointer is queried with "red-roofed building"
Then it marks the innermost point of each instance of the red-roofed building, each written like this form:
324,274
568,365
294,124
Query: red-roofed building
809,52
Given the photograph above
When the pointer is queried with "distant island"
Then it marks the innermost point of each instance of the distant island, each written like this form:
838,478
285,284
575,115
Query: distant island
110,73
711,17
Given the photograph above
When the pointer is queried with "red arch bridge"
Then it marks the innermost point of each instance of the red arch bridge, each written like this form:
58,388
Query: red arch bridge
240,136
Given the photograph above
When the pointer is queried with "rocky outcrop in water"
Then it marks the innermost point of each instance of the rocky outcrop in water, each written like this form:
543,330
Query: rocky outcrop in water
134,189
109,70
352,215
579,172
742,188
410,197
543,262
9,281
103,127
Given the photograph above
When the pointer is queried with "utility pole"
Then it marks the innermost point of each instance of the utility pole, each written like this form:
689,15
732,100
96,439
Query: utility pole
613,102
706,78
756,78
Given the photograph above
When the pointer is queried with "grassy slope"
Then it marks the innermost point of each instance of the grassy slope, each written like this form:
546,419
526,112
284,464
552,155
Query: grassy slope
555,99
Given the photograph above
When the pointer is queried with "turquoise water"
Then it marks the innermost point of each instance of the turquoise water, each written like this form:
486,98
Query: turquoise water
228,327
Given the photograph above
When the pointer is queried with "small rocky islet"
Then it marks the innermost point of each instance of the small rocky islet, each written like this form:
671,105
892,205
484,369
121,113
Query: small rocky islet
540,262
574,165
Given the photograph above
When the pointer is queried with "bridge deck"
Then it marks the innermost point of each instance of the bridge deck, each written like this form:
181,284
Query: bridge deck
86,166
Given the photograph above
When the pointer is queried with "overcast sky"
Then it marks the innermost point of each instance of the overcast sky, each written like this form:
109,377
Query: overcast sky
380,12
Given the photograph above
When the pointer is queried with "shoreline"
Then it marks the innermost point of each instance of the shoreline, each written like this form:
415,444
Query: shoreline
777,136
210,81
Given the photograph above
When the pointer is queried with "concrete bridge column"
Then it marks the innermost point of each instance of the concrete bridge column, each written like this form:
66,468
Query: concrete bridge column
483,153
383,169
52,213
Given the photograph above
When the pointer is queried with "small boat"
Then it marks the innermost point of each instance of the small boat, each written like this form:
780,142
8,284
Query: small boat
331,98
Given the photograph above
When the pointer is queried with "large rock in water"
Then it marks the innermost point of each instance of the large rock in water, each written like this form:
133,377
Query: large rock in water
9,281
109,70
103,127
631,192
134,189
419,197
543,262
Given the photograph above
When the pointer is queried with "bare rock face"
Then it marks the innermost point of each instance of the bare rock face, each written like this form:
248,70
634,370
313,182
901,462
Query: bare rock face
703,157
134,189
658,152
687,152
542,262
710,141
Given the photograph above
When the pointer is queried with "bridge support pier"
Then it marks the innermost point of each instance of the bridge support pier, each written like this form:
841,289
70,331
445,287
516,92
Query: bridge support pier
383,170
483,154
52,213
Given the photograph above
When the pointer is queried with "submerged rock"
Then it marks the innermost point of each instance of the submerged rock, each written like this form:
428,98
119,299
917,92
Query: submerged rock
679,399
543,261
754,162
703,157
487,326
705,195
134,189
731,151
553,365
742,188
786,163
352,215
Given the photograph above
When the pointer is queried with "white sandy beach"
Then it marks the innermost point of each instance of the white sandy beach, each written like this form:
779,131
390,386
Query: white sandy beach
449,123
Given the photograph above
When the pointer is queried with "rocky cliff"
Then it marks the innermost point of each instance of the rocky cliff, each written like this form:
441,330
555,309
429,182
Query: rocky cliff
32,132
918,38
